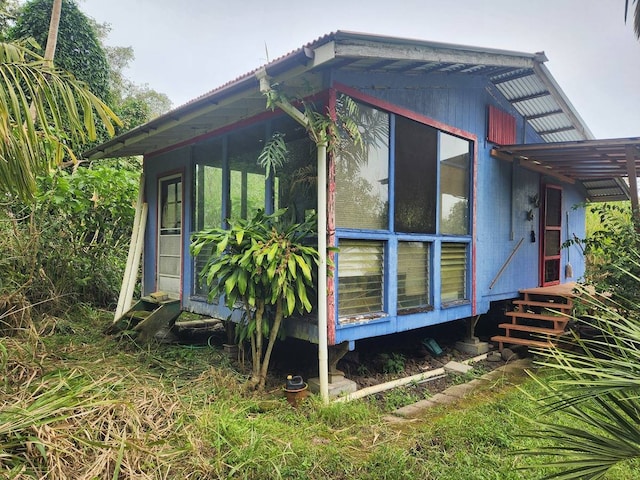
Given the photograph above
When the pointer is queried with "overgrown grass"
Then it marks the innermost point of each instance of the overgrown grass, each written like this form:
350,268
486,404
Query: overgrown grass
77,405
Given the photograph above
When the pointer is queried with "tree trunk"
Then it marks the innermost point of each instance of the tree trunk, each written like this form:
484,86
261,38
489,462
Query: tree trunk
52,39
273,335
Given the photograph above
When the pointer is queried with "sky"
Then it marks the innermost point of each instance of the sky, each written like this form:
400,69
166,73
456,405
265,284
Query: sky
189,47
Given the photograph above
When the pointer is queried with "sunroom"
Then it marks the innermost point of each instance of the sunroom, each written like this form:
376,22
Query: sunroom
400,214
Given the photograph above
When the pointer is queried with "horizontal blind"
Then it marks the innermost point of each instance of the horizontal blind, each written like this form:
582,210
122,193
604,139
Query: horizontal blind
453,272
413,275
360,277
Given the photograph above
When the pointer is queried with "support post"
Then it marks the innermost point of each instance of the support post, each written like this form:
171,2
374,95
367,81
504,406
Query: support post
323,356
633,184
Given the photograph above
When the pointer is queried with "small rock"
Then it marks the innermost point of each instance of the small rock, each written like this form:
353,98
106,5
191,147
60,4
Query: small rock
494,357
509,355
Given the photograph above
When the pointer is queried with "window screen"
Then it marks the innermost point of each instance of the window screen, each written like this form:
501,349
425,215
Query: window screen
416,163
362,175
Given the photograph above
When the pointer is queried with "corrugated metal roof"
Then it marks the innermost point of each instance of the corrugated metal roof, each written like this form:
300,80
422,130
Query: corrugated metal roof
600,165
520,77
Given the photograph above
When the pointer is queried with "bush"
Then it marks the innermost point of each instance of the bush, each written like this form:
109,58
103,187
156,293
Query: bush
71,244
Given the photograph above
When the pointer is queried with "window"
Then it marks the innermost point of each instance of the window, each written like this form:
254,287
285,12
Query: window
427,200
295,183
230,184
208,201
360,273
416,177
362,175
453,272
247,189
454,185
413,276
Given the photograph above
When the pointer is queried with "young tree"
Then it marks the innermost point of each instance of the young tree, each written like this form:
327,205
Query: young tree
264,264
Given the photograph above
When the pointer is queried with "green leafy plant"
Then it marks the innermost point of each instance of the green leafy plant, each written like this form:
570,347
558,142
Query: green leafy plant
392,363
611,248
597,388
265,266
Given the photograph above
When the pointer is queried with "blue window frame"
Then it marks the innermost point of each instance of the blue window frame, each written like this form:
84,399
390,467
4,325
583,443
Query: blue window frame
406,196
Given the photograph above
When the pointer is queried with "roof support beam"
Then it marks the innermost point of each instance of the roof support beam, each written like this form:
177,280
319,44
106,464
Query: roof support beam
438,54
533,96
530,165
633,184
556,130
544,114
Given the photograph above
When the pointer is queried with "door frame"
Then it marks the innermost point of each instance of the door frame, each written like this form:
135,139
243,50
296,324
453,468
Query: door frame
550,229
170,179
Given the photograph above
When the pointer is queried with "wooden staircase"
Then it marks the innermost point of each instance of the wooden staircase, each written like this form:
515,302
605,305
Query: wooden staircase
539,318
147,316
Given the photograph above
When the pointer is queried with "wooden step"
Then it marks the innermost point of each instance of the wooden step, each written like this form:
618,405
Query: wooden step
526,328
558,321
500,339
550,305
139,314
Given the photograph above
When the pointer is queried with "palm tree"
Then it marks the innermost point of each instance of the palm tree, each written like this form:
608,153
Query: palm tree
598,390
636,16
64,112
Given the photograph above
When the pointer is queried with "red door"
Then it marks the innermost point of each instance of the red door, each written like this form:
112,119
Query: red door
551,229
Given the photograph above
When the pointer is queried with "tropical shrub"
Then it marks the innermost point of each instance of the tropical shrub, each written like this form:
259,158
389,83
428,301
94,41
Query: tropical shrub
597,381
265,267
70,245
611,248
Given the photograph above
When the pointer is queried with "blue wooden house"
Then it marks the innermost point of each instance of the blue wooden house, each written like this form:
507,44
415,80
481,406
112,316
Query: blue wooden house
473,163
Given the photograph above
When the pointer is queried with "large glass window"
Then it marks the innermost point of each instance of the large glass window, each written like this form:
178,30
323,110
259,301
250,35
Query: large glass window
247,189
413,276
295,183
362,175
208,200
416,179
360,274
454,185
431,198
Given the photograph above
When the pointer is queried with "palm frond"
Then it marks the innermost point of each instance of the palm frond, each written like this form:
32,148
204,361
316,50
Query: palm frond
42,111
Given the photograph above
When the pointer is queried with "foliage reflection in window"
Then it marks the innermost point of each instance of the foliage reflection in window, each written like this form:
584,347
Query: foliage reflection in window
362,175
454,185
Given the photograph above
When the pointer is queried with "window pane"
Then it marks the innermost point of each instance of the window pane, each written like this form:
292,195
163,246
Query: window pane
247,189
551,270
551,243
208,201
453,272
295,183
454,185
553,207
171,206
413,275
360,275
415,177
362,175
